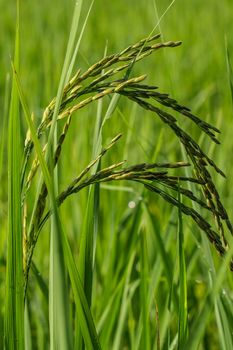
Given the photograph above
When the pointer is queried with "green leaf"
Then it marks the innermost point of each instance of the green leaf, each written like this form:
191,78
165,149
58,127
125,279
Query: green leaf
183,307
14,301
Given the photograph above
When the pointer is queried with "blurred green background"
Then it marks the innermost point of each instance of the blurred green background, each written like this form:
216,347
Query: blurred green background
196,74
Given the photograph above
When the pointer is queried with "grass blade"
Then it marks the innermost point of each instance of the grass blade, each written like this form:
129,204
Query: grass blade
144,291
14,305
183,311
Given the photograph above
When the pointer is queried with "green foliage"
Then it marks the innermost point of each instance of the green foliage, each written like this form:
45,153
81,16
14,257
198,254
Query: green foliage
117,201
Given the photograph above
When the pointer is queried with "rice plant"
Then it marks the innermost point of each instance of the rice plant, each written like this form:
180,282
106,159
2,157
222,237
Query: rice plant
126,286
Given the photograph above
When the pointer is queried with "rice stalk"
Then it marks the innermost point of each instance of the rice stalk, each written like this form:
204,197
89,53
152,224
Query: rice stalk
96,84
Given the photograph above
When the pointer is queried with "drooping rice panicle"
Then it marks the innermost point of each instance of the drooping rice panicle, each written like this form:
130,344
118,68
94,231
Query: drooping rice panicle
95,84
